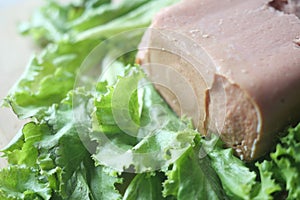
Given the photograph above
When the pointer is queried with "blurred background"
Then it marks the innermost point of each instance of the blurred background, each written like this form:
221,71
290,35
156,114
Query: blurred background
15,52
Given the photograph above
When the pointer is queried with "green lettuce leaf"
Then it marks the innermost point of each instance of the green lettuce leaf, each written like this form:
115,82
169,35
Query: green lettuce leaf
230,169
99,15
48,78
55,151
267,185
19,182
133,124
135,19
50,22
52,74
192,177
286,161
145,186
96,183
274,178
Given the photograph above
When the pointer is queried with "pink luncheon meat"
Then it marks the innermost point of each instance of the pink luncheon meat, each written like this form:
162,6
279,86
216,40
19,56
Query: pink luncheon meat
233,66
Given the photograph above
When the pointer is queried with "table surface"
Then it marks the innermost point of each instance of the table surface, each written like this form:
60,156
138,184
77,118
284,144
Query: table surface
15,52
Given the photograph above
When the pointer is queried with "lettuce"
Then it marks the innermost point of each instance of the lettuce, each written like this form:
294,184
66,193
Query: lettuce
149,187
18,182
285,162
238,180
51,74
275,177
115,137
192,177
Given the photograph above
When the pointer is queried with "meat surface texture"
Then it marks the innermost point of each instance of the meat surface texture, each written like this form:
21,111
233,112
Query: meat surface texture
233,66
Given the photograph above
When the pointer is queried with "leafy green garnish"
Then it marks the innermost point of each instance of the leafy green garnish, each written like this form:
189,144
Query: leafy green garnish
286,161
192,177
18,182
145,186
83,140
